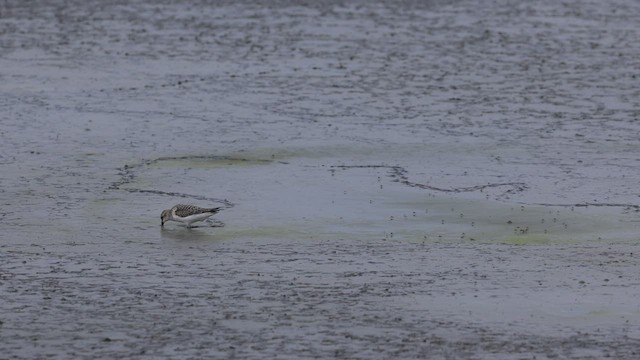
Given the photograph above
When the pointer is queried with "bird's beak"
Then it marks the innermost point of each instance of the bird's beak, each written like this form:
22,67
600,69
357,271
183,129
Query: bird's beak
162,223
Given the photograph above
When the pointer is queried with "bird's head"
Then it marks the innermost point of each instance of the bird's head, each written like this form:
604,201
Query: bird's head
165,216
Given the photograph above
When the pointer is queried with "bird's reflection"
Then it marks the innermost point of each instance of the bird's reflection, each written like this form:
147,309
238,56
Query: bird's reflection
193,233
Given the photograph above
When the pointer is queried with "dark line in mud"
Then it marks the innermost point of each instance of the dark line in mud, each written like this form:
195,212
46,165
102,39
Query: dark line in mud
128,175
226,202
399,174
627,206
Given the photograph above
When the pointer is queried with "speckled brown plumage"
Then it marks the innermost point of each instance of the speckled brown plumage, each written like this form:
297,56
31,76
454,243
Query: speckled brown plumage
187,210
187,214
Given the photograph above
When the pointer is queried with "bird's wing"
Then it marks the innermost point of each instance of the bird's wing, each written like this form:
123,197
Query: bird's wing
188,210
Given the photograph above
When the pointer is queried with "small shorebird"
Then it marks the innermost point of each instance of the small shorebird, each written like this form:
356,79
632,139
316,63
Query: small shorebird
187,214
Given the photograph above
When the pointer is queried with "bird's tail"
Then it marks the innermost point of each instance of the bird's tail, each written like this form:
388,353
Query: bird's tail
215,210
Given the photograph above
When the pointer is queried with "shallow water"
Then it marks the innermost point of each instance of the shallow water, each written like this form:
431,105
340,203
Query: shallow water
423,180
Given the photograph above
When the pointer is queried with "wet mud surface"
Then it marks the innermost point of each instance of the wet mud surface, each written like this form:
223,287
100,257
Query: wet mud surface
424,180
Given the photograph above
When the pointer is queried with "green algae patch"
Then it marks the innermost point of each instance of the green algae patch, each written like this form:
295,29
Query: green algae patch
299,197
356,153
263,232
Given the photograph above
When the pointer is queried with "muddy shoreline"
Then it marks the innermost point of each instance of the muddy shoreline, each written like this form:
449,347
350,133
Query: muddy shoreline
425,180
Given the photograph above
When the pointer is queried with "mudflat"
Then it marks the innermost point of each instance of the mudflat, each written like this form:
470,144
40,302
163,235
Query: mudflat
409,180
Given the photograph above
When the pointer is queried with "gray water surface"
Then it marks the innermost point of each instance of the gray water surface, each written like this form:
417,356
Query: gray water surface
416,180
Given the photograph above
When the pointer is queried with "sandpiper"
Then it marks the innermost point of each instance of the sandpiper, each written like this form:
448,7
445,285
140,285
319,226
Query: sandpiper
187,214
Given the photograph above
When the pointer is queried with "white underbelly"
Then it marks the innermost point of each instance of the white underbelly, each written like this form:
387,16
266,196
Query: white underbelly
193,218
